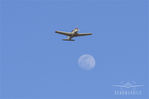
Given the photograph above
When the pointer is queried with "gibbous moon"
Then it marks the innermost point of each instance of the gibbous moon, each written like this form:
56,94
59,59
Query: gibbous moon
86,62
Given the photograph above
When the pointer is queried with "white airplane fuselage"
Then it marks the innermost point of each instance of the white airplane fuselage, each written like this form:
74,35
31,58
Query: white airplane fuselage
74,32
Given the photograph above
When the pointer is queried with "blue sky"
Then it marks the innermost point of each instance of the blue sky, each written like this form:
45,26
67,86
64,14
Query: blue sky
36,64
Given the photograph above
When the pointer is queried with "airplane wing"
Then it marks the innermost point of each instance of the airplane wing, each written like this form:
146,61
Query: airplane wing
63,33
84,34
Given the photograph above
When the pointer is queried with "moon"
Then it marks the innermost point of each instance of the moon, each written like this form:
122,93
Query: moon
86,62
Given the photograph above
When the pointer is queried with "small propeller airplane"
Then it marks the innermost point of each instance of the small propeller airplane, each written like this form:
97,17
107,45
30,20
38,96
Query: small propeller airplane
72,34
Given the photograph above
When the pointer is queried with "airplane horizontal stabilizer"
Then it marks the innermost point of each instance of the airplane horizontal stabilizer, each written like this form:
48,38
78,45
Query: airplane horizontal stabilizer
68,40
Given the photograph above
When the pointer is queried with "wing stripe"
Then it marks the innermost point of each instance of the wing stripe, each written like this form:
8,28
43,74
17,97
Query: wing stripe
63,33
83,34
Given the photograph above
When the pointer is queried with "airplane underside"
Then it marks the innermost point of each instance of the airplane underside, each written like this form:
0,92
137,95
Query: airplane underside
72,34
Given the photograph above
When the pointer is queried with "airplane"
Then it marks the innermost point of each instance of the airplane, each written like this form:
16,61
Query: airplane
73,33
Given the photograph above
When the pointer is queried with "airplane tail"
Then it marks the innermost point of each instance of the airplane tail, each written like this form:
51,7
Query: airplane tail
68,40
